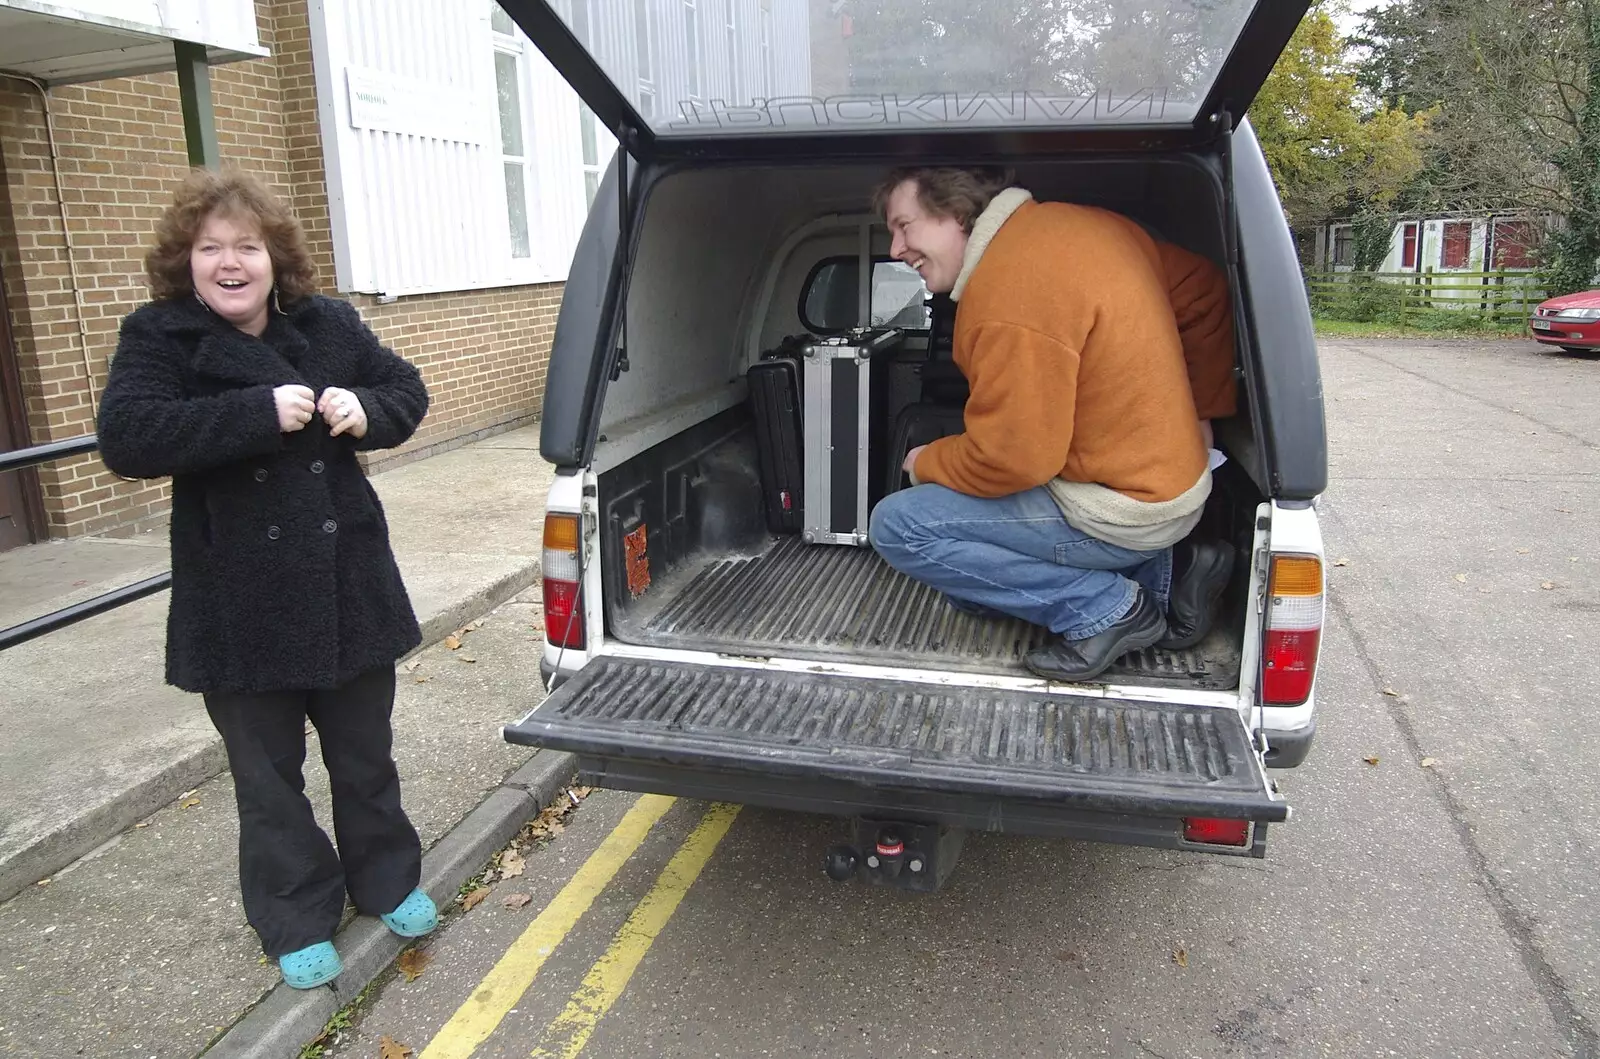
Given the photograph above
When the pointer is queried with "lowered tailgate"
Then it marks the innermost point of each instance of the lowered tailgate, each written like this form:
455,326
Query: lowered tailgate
645,722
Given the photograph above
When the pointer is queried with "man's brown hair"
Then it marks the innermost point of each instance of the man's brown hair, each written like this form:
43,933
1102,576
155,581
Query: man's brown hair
946,191
243,199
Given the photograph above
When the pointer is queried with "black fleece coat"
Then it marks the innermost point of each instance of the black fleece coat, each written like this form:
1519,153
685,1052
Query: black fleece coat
282,574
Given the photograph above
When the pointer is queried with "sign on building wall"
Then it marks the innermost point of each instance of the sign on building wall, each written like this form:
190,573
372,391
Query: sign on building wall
413,107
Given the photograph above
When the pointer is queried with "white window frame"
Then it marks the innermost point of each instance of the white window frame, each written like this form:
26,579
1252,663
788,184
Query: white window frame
769,67
644,57
730,27
691,38
523,269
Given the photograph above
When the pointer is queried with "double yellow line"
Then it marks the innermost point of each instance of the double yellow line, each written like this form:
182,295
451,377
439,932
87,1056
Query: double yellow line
503,986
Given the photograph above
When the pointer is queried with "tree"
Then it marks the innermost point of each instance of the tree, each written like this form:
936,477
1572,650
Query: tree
1514,124
1329,155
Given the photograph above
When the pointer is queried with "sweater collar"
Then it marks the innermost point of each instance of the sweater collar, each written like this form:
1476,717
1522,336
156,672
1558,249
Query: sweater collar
997,213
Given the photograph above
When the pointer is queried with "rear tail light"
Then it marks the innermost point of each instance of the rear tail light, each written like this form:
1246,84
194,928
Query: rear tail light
1214,831
563,614
1294,629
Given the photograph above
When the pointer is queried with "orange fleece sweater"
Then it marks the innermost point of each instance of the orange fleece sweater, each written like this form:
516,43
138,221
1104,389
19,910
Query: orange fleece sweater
1204,310
1067,339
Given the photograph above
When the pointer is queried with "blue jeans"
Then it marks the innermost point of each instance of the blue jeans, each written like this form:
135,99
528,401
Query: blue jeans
1016,554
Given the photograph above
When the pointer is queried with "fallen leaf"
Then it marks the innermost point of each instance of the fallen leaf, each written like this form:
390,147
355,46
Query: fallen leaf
420,680
472,900
389,1048
142,824
1572,558
189,803
42,882
1564,510
1428,762
1342,562
453,642
1180,957
1370,760
1462,578
474,626
514,901
465,658
512,865
1391,693
412,963
1524,551
411,666
583,792
1548,585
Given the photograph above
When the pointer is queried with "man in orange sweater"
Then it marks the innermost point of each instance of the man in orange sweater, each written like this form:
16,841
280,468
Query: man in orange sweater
1083,461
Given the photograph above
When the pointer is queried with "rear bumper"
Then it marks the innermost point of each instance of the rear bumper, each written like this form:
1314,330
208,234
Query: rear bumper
1285,750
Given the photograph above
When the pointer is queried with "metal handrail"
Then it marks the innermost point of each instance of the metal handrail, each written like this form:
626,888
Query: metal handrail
17,459
28,630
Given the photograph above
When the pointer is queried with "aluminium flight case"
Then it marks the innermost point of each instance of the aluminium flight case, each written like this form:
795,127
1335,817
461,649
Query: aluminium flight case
846,420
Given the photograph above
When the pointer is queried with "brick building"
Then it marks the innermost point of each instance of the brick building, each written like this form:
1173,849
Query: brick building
453,245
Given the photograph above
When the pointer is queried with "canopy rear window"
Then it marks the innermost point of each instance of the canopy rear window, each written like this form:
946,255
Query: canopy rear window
697,68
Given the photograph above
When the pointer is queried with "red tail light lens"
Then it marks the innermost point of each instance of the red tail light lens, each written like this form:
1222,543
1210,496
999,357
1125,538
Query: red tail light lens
1294,630
563,614
1214,831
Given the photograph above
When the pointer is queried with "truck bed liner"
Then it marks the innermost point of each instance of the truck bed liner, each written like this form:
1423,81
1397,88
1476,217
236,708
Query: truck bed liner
838,603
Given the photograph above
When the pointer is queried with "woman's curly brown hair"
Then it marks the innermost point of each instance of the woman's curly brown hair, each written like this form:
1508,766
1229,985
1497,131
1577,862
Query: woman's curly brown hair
244,199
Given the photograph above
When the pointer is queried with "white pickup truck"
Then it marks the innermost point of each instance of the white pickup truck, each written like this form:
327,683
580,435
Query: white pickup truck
695,652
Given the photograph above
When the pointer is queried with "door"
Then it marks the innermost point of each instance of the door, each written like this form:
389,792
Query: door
19,505
803,79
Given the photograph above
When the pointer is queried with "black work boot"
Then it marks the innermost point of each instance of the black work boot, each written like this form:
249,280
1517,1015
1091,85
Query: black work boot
1200,572
1083,660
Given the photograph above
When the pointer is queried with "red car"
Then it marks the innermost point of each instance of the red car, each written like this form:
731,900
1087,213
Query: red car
1571,321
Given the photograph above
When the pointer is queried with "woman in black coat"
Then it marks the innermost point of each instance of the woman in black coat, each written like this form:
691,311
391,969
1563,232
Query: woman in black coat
255,395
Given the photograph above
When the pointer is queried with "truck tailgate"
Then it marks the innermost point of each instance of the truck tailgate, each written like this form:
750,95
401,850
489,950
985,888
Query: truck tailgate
1072,753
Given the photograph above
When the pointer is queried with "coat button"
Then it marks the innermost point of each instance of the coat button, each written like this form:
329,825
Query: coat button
273,533
317,466
330,526
261,474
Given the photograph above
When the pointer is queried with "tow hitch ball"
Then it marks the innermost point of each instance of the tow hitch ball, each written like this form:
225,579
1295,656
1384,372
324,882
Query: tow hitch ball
909,856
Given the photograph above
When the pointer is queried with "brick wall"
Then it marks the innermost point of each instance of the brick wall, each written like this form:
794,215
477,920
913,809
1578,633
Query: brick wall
119,149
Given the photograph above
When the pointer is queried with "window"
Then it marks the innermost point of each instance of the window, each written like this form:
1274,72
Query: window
509,78
769,72
832,298
1515,244
1344,250
1408,246
587,126
641,56
691,36
580,21
731,27
1457,243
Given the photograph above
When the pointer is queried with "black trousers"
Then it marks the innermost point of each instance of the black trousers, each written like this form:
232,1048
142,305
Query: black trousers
292,881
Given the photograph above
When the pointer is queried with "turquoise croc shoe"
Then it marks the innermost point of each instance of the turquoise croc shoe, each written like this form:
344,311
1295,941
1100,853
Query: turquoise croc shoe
416,916
311,966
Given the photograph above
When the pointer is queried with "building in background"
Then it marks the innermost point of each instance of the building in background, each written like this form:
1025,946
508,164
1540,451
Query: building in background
441,168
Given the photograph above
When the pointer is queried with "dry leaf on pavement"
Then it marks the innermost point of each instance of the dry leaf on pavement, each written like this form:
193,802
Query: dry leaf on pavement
1342,562
511,865
1393,694
453,642
1370,760
411,666
1548,585
1428,762
188,803
465,658
1524,551
474,626
389,1048
1462,578
420,680
515,901
412,963
1180,957
469,902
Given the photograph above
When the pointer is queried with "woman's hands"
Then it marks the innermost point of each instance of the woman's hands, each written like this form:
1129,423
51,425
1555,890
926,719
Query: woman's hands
342,411
296,406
